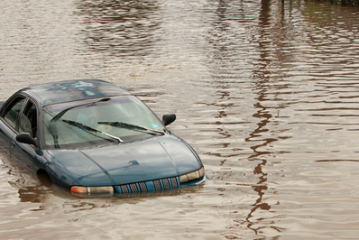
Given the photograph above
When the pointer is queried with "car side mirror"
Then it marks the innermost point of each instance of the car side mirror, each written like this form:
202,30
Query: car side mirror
168,118
25,137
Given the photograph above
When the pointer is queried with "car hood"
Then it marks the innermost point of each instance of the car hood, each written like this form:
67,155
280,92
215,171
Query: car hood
154,158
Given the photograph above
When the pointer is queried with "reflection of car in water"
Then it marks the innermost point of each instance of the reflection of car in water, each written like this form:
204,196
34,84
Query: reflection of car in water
93,137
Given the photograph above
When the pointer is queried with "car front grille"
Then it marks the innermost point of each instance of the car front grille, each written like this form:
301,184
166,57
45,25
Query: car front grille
157,185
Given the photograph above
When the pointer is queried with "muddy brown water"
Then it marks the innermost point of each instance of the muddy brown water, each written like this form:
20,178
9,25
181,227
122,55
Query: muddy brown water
267,94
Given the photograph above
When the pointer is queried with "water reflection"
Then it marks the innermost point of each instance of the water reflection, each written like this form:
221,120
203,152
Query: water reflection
221,46
223,58
262,77
120,28
220,56
34,194
30,188
327,15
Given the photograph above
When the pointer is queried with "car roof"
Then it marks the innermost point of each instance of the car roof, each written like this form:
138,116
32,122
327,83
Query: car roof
73,90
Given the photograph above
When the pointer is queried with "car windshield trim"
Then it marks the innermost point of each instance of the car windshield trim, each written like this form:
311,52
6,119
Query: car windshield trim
83,126
131,126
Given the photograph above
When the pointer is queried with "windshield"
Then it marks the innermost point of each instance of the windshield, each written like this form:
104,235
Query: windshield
61,132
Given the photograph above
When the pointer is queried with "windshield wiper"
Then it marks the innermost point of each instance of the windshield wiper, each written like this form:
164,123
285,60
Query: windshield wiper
60,114
81,125
130,126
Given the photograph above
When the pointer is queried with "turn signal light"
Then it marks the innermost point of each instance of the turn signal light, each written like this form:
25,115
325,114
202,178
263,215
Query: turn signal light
192,175
81,191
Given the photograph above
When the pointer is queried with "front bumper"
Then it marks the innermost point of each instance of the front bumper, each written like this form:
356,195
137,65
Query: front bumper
153,187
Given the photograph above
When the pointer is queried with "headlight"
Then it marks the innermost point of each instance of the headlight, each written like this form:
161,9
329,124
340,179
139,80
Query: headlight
81,191
192,175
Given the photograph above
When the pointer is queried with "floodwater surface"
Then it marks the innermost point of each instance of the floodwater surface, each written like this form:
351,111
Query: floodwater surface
266,93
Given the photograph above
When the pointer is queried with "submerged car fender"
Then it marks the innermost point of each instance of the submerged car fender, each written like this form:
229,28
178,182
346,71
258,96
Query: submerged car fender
59,174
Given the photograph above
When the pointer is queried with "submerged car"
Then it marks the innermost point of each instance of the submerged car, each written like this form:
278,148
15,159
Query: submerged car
92,137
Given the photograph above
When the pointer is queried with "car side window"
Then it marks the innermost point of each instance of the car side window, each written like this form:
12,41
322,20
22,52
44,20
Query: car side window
28,120
13,111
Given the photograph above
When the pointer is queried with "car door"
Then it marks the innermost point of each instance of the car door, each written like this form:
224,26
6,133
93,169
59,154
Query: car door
27,122
20,115
8,122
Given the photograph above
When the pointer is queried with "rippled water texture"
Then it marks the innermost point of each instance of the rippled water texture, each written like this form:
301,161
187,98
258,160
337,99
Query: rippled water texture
267,94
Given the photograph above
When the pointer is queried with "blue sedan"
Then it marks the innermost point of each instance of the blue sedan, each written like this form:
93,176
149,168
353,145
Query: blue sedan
92,137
